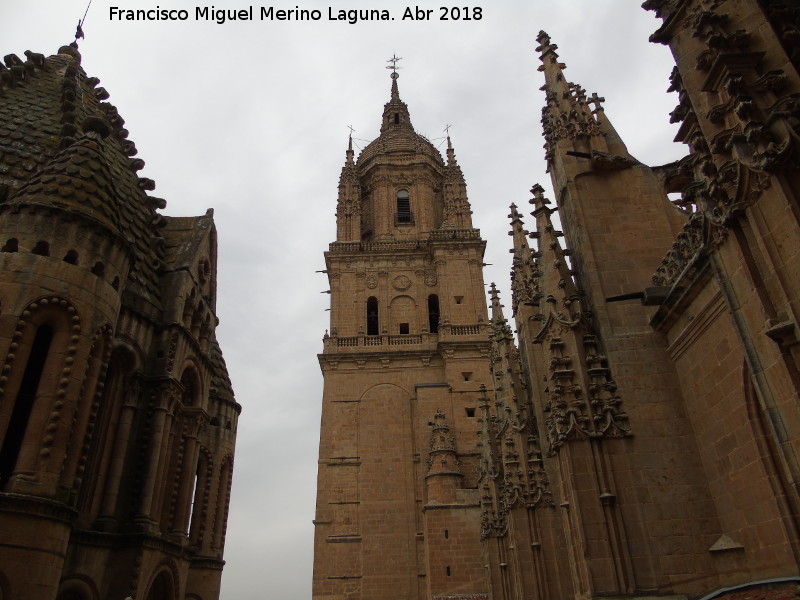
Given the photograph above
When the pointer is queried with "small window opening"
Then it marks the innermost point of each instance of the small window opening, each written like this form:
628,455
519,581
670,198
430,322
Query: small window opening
448,571
23,407
466,375
403,328
459,299
446,534
11,245
433,313
71,257
99,269
41,248
404,207
470,412
372,316
396,118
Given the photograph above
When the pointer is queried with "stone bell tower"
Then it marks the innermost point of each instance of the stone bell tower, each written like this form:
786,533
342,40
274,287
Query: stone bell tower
398,509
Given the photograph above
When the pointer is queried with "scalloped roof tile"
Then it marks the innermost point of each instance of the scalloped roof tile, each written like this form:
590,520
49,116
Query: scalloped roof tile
40,118
45,158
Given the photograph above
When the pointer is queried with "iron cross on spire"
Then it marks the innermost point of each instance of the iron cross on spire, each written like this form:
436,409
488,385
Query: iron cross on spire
394,66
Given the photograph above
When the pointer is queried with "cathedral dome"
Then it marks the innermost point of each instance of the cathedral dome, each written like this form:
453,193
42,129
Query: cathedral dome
403,143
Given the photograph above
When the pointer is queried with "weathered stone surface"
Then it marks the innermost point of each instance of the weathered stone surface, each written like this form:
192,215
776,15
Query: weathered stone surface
397,499
640,437
115,403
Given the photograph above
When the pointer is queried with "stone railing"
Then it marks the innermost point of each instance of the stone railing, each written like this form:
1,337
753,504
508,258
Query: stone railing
457,234
446,332
437,235
464,329
365,341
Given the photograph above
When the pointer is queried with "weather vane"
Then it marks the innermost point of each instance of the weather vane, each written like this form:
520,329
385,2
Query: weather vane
394,66
79,30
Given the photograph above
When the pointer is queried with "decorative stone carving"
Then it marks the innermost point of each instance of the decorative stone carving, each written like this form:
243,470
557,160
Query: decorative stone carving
401,283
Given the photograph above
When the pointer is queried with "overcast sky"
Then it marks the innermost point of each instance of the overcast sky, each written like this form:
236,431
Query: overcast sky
251,118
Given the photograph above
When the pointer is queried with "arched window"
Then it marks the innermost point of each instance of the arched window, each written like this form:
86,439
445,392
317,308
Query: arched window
15,432
161,588
188,381
433,313
372,316
101,479
403,214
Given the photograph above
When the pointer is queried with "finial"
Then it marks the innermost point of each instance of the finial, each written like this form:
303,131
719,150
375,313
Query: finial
349,153
451,154
79,31
514,215
538,199
395,75
544,44
596,100
394,66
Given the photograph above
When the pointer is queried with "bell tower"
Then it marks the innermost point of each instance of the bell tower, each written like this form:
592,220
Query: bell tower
403,364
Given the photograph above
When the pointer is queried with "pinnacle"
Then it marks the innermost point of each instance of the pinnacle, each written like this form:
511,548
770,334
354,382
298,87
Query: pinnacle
545,45
349,154
493,294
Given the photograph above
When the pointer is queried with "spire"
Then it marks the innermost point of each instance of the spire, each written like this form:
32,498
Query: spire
451,154
581,400
500,326
519,476
457,210
568,115
524,265
348,207
349,154
553,70
395,113
556,276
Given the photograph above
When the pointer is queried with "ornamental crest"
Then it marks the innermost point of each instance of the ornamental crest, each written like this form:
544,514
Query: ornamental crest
401,283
